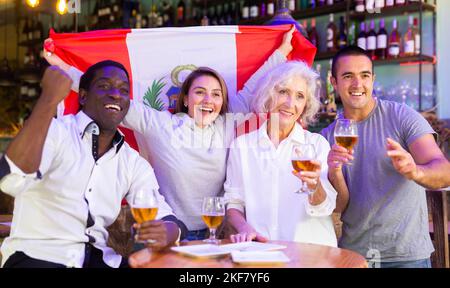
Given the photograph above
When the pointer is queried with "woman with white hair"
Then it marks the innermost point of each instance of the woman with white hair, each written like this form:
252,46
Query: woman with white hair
260,186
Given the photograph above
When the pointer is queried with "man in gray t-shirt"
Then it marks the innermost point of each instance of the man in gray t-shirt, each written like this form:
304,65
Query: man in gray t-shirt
381,195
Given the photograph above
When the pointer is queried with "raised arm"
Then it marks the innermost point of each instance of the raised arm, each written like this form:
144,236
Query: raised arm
336,158
426,164
242,102
26,148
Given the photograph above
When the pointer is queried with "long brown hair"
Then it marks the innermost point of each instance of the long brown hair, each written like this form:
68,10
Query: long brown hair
201,71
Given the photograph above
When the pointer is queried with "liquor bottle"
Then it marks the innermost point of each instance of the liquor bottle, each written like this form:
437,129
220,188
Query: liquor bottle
394,41
322,88
408,38
372,40
30,30
330,2
291,5
362,37
417,37
379,4
359,6
331,105
262,9
213,18
270,8
400,2
254,10
312,4
313,35
351,34
331,34
320,3
342,40
205,19
370,6
231,17
245,12
381,52
390,3
181,12
38,31
221,13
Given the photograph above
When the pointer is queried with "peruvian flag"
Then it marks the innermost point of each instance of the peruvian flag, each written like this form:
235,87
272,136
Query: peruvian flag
159,59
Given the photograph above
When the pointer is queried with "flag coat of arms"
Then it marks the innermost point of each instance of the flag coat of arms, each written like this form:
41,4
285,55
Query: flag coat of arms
159,59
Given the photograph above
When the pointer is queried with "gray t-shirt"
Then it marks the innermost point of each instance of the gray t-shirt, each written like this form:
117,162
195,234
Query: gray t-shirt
386,212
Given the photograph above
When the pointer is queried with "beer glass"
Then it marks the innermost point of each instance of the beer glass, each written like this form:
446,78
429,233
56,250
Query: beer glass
302,155
144,207
213,212
346,134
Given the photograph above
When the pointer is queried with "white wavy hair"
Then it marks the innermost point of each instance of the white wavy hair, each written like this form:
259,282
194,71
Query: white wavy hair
266,97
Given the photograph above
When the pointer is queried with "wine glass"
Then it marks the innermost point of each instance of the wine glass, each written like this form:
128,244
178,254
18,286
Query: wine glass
213,212
346,134
144,207
301,157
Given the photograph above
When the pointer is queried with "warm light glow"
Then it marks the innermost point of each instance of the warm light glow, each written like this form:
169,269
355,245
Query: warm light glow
61,7
32,3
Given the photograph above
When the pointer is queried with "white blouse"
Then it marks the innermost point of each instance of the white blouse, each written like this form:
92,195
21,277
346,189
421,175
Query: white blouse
260,183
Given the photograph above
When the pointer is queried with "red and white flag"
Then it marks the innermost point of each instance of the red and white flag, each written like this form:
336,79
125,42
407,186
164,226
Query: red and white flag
159,59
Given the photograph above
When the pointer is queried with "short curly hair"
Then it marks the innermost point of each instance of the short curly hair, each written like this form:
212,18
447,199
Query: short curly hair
265,95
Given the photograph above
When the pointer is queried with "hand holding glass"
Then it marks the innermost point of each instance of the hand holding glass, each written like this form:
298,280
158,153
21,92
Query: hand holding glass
302,157
346,134
213,212
144,207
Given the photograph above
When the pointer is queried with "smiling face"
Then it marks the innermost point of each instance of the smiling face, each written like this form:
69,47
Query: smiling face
107,100
204,100
291,101
354,83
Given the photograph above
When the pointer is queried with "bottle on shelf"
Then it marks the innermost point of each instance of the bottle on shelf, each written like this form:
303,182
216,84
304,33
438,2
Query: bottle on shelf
213,18
379,4
245,11
372,40
390,3
322,88
320,3
351,34
408,39
342,40
313,35
205,19
382,36
312,4
291,5
331,34
400,2
181,12
417,37
254,10
362,37
394,41
330,2
262,8
25,30
270,8
359,6
331,105
370,6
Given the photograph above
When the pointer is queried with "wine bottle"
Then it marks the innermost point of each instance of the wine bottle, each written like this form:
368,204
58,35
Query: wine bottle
409,36
359,6
362,37
372,40
342,40
381,41
270,8
417,37
331,34
313,35
394,41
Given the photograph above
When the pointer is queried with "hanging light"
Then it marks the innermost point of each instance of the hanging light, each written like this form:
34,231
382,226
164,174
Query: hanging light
33,3
61,7
283,16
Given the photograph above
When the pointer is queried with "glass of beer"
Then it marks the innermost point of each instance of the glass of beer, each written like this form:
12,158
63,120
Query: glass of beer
144,207
346,134
301,158
213,212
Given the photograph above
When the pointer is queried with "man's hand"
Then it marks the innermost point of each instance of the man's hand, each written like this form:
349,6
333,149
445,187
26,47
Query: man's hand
402,161
55,85
286,45
156,230
337,157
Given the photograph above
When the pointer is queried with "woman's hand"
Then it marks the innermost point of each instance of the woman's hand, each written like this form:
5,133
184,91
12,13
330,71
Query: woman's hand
247,234
51,57
311,178
286,46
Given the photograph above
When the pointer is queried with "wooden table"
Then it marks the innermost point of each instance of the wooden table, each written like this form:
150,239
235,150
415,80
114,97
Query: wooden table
300,255
5,229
